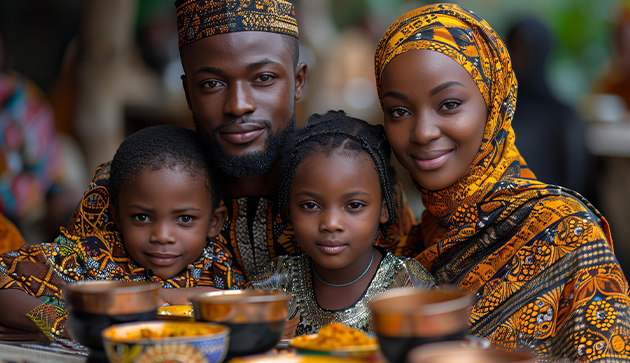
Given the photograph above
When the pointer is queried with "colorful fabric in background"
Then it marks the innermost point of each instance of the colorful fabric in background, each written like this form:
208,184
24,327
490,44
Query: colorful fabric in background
538,256
254,232
96,252
197,19
30,152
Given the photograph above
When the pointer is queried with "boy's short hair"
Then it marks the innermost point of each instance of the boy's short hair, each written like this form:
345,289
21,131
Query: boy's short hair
157,148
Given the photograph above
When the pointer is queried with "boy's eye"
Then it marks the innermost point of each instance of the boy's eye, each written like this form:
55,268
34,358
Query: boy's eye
141,217
309,205
185,219
355,205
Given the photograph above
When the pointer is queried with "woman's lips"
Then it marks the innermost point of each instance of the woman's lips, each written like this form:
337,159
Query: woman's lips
431,160
162,259
241,133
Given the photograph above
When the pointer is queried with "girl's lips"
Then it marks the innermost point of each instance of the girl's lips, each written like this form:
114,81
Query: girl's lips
160,259
431,160
332,249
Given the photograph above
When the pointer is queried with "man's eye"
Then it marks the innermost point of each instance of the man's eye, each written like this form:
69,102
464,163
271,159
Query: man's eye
265,77
210,84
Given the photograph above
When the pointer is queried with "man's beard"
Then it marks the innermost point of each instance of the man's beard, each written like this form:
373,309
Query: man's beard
251,164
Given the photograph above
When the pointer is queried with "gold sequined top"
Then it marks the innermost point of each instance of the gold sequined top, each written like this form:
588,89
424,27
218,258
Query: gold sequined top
293,275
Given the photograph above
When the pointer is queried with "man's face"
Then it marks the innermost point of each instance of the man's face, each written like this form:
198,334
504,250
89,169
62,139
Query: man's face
242,88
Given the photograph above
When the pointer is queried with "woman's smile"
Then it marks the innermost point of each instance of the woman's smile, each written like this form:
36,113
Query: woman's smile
431,160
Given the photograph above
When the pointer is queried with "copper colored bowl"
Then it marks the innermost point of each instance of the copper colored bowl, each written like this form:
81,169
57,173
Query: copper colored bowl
256,319
460,352
95,305
406,318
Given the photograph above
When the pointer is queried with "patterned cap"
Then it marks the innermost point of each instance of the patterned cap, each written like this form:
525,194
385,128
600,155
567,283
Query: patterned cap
197,19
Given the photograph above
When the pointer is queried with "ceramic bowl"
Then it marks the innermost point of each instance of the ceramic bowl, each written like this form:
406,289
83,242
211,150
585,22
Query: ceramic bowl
462,352
162,341
176,312
95,305
256,319
405,318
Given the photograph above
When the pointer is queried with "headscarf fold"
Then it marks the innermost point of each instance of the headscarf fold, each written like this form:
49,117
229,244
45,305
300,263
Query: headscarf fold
539,256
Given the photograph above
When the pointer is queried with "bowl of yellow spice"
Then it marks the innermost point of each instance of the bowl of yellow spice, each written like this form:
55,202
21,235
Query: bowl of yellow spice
338,341
166,341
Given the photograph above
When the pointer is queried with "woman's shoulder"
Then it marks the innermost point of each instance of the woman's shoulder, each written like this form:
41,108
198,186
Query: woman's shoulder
407,271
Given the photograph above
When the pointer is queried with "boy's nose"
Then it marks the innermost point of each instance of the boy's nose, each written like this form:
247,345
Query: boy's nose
162,234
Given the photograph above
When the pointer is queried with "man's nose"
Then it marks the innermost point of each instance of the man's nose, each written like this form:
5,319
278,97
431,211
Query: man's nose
240,100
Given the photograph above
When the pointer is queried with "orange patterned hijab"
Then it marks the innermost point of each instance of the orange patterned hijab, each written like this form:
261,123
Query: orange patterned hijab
538,256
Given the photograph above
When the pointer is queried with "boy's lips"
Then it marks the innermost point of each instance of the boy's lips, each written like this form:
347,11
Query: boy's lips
241,133
430,160
162,259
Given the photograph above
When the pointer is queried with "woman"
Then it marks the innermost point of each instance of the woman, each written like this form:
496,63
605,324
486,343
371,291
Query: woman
538,256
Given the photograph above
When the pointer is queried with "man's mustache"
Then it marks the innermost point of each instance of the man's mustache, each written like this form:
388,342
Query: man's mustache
262,122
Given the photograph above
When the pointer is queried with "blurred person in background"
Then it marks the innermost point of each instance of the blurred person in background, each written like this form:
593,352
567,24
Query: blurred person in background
564,159
617,78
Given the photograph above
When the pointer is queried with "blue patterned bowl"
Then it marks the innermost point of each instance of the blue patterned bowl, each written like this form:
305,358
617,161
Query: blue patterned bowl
166,341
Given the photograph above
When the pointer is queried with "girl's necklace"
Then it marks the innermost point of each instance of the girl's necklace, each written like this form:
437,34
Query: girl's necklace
349,283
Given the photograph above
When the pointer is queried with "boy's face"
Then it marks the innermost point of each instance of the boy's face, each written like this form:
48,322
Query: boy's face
335,207
165,217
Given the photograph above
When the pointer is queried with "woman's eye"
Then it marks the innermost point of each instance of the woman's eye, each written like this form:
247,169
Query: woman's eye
309,205
398,112
355,205
185,219
449,105
141,217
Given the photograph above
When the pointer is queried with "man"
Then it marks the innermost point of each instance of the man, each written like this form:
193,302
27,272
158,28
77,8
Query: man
242,79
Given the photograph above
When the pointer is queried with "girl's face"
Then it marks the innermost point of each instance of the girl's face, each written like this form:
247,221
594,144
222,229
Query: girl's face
165,217
435,116
335,207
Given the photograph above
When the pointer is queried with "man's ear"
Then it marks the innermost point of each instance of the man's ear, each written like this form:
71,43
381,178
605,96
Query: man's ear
384,213
300,80
216,223
185,84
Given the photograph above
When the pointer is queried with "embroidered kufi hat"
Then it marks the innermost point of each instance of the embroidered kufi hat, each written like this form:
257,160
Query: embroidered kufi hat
197,19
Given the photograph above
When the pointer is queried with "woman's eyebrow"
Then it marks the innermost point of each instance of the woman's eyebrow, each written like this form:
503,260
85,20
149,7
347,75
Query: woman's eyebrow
395,94
443,86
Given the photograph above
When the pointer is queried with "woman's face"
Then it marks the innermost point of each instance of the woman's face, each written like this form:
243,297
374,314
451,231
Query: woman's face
435,116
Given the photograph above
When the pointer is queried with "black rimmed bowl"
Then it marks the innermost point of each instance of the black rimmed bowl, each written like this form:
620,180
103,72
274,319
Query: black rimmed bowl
256,319
406,318
95,305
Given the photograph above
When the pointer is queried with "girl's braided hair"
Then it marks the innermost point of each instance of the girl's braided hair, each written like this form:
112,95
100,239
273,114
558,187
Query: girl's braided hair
335,131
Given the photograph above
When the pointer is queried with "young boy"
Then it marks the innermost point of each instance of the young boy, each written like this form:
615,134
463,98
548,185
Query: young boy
167,214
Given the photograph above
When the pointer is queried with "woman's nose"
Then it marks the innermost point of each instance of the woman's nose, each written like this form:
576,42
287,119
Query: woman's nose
425,129
240,100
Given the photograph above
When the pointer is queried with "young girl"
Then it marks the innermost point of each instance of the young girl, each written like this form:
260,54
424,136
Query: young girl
166,209
539,256
337,193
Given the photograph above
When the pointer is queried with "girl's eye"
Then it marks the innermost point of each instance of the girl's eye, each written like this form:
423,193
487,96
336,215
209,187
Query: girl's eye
185,219
449,105
309,205
398,112
141,217
355,205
